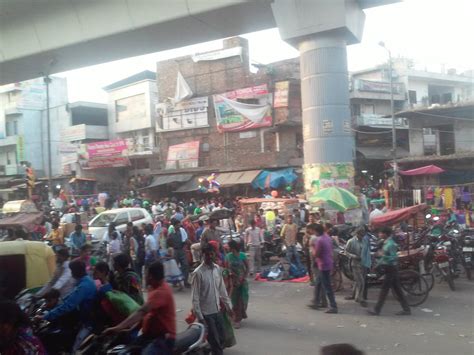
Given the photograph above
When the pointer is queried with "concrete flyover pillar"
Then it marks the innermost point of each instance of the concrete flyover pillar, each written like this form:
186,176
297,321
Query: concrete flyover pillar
321,30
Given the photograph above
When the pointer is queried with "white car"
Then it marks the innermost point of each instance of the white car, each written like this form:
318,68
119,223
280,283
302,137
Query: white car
121,216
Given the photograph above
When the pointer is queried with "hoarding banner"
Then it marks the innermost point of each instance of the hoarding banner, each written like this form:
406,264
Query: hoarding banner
281,94
74,133
236,116
69,158
113,148
20,148
185,114
65,148
185,155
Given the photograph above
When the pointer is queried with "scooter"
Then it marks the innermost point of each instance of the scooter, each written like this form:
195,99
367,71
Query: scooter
190,342
467,244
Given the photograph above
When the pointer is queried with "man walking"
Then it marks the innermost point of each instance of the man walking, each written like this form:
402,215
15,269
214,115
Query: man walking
389,263
177,240
254,239
324,259
289,233
208,290
354,252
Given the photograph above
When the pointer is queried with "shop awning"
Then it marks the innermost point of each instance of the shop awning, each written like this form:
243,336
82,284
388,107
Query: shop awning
424,170
73,180
167,179
274,179
189,186
237,178
381,153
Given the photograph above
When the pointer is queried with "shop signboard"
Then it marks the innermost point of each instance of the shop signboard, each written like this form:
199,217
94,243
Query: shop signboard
106,162
20,148
74,133
117,147
281,94
218,54
185,115
183,156
243,109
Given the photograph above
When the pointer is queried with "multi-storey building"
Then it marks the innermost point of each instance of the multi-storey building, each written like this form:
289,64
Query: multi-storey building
211,131
23,125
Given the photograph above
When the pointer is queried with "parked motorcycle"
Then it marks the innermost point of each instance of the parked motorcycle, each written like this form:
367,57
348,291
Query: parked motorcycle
467,245
443,262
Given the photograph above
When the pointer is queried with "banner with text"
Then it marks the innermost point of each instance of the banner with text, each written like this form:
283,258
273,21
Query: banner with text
183,156
243,109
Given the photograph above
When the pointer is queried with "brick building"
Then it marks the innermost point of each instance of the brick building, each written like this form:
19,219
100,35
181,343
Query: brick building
277,144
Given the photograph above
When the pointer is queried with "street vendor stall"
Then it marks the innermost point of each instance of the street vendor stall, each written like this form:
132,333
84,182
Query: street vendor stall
25,221
250,206
397,216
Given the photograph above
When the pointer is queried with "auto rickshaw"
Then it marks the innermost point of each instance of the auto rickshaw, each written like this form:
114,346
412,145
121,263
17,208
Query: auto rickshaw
24,264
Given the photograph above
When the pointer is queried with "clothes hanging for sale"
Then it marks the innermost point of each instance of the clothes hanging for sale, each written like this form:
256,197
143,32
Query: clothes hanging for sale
448,197
437,196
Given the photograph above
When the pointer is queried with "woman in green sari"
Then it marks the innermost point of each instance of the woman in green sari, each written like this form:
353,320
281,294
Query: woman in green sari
237,265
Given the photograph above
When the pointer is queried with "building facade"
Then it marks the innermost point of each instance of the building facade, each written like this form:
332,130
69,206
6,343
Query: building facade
210,132
23,125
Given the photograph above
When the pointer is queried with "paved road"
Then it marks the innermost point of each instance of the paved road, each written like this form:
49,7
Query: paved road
280,323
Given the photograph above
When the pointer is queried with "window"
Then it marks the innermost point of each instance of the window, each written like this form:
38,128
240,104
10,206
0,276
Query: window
11,128
136,215
146,142
130,108
122,218
412,96
367,109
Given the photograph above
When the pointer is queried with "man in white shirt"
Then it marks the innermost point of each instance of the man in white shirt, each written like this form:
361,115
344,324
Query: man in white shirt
254,240
151,246
62,279
375,213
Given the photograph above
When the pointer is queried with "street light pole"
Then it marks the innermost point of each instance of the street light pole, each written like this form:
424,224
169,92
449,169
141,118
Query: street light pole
47,81
392,113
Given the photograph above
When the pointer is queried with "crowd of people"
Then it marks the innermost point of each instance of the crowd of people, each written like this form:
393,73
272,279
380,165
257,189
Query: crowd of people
183,248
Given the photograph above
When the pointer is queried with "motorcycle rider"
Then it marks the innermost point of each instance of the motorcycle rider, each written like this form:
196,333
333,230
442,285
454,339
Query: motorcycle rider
81,299
125,279
62,279
157,316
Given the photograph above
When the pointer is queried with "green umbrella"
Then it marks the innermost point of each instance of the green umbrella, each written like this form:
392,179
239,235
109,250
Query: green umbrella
336,197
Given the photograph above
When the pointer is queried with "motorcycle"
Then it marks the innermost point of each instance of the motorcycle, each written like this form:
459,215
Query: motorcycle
467,245
443,262
190,342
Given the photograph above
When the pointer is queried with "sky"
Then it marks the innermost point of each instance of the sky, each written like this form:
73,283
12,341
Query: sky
435,33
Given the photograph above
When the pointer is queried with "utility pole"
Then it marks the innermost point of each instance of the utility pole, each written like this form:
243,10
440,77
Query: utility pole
392,113
47,81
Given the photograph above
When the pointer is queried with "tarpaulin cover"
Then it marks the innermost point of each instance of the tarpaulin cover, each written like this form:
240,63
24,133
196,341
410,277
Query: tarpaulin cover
274,179
396,216
168,179
253,112
304,279
25,220
424,170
